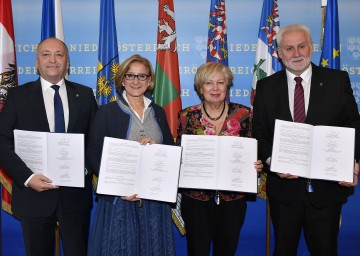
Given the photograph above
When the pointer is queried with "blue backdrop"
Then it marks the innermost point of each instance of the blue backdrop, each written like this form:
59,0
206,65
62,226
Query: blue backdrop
136,22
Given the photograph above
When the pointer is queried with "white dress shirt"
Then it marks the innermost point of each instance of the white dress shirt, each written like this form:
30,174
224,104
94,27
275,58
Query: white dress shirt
48,94
146,105
306,83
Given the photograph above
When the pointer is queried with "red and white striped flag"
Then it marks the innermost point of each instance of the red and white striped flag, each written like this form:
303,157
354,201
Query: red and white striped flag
8,78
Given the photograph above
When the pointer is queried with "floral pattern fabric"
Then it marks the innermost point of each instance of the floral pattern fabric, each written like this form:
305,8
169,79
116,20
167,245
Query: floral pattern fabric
192,121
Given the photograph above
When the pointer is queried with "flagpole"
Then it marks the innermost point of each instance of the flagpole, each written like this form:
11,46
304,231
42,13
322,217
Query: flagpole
268,229
1,224
266,63
323,16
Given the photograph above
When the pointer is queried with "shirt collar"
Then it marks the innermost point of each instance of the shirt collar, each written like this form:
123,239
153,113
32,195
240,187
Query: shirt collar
46,84
306,75
146,100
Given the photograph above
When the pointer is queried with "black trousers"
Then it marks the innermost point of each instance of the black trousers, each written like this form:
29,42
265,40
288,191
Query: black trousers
39,233
206,223
320,226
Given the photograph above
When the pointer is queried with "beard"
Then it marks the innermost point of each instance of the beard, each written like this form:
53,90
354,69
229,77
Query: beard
297,64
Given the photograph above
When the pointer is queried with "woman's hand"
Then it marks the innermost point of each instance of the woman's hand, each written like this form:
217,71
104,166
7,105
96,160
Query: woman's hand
287,176
355,180
132,198
146,140
258,166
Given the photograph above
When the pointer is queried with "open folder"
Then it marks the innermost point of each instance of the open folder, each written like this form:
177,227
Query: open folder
219,163
58,156
316,152
151,171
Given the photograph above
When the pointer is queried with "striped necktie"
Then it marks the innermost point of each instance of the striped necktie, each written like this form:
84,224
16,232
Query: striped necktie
299,102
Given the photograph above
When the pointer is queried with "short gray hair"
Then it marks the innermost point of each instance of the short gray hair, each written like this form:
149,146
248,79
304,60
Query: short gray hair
292,27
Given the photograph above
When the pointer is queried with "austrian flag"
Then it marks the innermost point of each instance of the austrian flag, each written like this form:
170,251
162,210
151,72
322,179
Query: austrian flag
7,51
8,79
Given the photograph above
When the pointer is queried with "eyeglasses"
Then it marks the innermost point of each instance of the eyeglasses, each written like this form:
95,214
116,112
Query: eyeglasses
141,77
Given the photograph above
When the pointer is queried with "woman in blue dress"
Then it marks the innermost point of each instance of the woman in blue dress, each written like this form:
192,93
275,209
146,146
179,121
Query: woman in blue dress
128,225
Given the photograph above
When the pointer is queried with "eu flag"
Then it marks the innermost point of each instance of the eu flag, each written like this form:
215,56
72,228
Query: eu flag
330,55
108,62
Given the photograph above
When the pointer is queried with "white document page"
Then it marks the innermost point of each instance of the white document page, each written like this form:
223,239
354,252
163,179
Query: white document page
58,156
31,147
66,159
317,152
160,167
199,163
118,170
150,171
333,153
292,148
236,171
218,163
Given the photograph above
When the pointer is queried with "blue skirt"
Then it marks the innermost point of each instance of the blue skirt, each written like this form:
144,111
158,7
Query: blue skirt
121,228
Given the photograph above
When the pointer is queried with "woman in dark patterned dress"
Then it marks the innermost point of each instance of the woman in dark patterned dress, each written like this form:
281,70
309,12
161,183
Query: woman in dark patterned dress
214,217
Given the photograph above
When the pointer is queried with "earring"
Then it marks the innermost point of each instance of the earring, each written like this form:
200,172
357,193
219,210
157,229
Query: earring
123,84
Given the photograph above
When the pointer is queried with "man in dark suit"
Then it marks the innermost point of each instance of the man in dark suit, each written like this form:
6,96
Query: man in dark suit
298,204
38,203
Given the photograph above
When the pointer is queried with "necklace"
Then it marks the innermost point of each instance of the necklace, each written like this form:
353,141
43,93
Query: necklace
214,118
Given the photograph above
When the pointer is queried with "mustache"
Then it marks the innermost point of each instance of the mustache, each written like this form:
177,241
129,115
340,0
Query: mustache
297,59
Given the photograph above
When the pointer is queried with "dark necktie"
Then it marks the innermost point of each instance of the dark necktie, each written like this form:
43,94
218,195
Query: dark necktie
59,111
299,114
299,102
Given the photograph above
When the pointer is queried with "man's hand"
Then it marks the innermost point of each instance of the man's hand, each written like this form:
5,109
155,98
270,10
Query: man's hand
355,180
41,183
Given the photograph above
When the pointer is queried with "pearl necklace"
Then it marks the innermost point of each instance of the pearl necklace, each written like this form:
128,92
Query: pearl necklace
214,118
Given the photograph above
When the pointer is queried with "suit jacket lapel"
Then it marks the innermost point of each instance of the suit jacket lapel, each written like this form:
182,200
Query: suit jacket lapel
37,101
73,100
283,93
315,95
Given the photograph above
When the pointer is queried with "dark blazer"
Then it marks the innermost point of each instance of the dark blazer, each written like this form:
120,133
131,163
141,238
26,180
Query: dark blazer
25,110
331,103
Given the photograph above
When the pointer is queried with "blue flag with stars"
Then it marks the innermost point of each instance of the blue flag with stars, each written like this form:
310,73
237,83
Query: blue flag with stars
330,55
108,62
